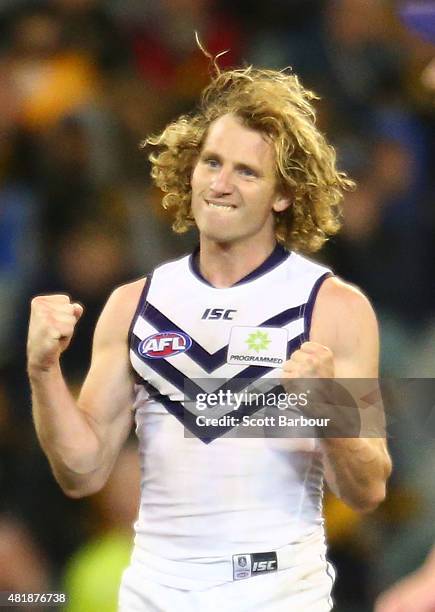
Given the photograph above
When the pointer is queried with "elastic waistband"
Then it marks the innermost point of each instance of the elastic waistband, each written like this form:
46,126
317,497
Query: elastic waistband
215,571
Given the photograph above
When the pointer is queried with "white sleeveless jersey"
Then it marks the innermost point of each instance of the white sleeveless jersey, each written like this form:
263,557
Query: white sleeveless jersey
205,496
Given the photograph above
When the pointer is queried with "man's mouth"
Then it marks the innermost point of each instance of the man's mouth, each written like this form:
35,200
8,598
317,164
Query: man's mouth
221,205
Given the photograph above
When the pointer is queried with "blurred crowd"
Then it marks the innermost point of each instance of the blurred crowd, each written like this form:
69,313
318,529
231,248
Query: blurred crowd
82,82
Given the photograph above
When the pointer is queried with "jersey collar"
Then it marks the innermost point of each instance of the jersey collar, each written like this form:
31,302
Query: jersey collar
278,255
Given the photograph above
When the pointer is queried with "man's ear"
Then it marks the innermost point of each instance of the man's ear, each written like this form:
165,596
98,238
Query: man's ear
281,203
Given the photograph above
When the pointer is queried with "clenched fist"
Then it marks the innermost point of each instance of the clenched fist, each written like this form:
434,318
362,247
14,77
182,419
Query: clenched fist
312,360
329,399
52,322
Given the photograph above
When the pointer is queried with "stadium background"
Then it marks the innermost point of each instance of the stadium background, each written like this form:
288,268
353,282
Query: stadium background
82,82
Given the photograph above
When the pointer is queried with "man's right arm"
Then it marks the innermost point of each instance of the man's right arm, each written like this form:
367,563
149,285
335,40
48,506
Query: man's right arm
82,438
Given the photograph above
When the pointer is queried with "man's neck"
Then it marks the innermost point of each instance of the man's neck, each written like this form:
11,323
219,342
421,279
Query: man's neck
223,265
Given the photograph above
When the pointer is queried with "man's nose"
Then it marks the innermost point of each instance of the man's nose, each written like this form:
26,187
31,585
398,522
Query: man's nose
222,182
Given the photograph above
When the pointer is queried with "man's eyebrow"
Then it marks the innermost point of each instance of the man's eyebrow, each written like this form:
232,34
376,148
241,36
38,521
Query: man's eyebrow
209,153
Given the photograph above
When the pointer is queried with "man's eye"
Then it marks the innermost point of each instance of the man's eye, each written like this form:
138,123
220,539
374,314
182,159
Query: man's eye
247,171
211,162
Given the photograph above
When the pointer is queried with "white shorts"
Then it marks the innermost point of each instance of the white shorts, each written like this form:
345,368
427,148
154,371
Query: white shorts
272,592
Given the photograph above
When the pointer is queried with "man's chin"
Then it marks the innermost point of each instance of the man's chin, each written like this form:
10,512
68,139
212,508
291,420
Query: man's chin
217,233
221,238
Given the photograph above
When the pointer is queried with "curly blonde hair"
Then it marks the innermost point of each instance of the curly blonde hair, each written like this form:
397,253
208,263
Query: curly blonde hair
277,105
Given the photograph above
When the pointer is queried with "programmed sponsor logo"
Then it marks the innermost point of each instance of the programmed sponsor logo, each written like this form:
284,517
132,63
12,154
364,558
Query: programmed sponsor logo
256,359
263,346
164,344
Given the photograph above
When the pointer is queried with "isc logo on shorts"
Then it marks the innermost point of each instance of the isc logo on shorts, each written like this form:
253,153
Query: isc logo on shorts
247,565
164,344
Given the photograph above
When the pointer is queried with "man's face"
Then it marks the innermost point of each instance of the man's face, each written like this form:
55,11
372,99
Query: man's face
234,184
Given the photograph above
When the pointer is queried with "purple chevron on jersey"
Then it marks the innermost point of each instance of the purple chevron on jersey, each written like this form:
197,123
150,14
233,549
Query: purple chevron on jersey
176,378
237,383
205,433
211,361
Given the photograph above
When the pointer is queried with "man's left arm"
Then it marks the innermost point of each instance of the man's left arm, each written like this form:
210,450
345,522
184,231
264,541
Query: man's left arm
344,343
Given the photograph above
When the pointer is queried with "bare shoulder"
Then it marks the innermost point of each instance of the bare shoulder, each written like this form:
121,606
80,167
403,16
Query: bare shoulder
117,314
344,319
341,301
126,297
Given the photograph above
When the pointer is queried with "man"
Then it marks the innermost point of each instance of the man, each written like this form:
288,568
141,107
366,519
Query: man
253,173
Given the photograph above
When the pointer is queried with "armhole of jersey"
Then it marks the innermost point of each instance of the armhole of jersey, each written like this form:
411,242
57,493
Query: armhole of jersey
309,306
140,306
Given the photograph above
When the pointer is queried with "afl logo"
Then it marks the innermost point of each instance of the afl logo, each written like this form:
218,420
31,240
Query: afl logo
164,344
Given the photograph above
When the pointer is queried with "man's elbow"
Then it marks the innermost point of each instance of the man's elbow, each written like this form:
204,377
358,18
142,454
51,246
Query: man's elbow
376,494
79,492
74,493
84,488
370,501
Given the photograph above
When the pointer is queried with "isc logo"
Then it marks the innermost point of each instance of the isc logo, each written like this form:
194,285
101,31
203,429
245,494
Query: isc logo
218,313
263,566
246,565
164,344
